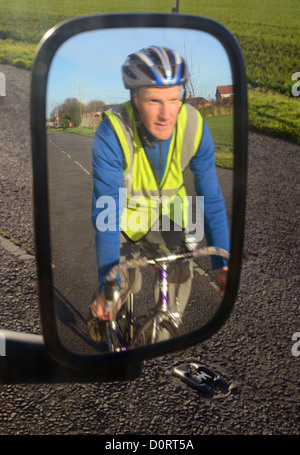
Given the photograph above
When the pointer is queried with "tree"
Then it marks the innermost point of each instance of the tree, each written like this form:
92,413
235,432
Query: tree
95,106
74,115
193,75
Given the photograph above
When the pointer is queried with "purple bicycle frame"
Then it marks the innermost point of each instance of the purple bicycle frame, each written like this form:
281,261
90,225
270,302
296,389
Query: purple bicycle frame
163,288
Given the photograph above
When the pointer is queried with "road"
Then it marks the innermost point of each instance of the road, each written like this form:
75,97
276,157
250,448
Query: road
253,351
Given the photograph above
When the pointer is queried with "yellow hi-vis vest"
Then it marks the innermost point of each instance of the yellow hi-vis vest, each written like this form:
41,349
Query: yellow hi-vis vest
145,200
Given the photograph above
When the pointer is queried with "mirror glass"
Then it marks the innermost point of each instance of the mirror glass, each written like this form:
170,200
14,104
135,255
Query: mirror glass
85,81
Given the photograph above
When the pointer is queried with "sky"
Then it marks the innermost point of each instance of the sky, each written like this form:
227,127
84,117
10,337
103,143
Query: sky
88,65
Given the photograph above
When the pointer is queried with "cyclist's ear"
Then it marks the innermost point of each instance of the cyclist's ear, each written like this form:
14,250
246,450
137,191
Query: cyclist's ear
183,99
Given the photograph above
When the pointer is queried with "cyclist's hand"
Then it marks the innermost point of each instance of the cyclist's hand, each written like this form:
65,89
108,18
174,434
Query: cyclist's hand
222,279
99,308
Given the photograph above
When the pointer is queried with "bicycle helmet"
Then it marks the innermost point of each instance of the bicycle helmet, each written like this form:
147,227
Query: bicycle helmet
154,66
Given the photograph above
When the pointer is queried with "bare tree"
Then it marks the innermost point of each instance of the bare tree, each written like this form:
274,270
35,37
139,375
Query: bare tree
193,77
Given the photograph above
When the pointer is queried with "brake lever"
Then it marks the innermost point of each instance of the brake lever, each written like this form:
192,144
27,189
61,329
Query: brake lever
112,296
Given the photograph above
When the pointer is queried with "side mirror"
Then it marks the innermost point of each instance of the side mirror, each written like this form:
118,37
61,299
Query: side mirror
56,191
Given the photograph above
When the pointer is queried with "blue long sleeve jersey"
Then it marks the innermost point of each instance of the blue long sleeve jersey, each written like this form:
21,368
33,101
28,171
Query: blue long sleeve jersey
108,167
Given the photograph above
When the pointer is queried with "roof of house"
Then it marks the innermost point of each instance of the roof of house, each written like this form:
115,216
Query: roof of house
198,100
225,89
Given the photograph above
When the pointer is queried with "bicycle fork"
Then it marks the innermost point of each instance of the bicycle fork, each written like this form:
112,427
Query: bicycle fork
163,312
123,337
112,295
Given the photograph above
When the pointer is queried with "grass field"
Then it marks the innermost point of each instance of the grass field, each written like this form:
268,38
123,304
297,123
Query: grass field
221,128
275,114
268,33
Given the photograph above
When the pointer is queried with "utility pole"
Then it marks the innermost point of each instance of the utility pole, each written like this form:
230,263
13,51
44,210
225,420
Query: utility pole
80,106
176,8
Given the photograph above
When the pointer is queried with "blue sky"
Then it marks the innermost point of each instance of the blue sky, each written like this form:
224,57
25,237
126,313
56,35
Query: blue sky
93,60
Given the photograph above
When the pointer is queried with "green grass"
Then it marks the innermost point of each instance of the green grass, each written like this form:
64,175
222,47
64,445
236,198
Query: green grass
268,32
88,132
274,114
221,128
26,21
19,54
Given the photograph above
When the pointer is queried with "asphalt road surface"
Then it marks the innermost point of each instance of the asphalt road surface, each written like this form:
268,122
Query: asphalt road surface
256,351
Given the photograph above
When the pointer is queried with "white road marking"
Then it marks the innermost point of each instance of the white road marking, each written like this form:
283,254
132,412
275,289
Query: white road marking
16,250
69,156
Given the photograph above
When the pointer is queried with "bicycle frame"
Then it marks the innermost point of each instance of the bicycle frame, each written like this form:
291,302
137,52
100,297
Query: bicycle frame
161,310
129,339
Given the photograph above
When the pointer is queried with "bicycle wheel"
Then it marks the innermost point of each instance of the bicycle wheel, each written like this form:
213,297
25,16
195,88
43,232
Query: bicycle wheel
154,333
171,329
143,331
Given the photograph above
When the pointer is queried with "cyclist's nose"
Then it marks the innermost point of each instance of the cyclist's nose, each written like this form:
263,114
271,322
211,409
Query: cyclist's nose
164,112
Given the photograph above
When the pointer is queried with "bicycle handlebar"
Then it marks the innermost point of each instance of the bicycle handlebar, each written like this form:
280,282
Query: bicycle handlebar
143,261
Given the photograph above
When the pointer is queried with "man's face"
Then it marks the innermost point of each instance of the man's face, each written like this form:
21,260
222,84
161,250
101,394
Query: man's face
158,108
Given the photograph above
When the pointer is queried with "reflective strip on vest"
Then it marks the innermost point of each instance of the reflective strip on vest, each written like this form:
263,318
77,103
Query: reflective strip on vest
145,200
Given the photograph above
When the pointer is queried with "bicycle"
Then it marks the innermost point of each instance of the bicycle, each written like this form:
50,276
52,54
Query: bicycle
125,331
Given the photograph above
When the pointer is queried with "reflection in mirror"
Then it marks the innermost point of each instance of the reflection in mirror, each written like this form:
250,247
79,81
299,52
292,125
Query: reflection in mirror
84,82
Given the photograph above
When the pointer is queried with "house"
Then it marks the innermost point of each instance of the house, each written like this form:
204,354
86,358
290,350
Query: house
91,115
223,92
198,101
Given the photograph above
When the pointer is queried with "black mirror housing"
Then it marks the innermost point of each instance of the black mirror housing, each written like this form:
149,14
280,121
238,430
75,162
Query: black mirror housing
110,365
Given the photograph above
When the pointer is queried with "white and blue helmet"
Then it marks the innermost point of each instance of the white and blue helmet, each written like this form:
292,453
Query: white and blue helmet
154,66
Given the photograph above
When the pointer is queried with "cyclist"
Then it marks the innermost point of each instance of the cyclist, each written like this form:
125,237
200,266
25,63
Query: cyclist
143,146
